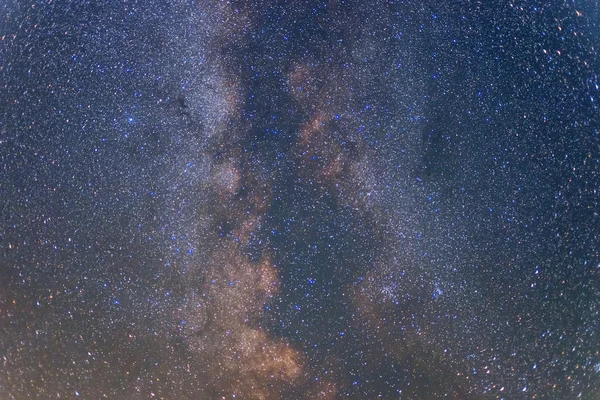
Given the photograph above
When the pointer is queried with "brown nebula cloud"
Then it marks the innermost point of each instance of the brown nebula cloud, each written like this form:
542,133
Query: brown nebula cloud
226,179
224,333
226,293
329,150
227,290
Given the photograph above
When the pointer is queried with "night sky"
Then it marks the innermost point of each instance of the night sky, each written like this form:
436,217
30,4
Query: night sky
299,199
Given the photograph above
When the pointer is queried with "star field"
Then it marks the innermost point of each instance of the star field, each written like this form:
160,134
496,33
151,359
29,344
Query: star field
299,200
